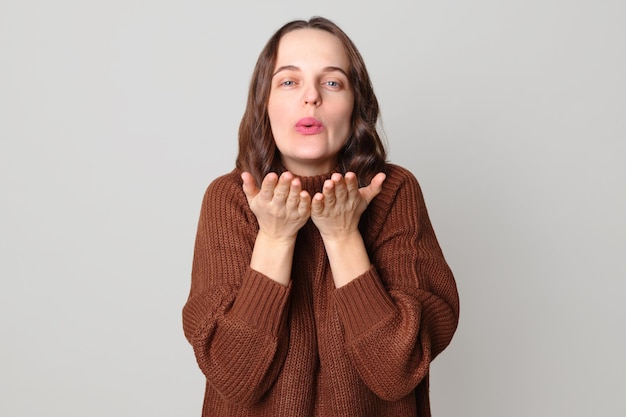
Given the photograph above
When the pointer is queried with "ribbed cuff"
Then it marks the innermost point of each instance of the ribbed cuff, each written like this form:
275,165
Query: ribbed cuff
363,303
261,302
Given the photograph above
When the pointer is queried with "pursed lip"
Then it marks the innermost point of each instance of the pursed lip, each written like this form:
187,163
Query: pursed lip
309,126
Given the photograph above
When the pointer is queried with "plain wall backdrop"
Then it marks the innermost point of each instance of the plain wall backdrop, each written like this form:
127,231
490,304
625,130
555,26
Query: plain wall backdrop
115,116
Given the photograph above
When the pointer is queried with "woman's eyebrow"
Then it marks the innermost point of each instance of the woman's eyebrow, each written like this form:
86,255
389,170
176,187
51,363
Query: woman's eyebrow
333,69
295,68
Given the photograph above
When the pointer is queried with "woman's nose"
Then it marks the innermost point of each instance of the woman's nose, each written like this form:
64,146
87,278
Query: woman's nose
312,96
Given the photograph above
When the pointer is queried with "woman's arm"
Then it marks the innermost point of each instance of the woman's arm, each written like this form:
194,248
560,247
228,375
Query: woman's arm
235,316
281,208
336,212
403,311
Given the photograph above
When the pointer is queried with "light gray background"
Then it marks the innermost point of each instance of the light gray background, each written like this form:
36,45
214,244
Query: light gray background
115,115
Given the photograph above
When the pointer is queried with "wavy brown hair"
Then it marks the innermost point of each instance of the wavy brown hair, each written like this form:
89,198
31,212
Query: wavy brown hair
363,153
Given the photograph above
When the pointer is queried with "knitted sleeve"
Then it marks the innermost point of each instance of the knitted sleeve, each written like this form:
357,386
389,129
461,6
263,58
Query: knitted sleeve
403,312
234,317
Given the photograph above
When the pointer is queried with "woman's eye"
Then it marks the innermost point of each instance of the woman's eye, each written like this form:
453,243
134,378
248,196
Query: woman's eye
334,84
288,83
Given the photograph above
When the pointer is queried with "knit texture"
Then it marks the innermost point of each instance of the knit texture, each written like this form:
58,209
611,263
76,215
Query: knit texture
310,349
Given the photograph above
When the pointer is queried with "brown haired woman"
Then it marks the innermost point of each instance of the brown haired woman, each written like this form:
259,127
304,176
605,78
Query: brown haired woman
318,286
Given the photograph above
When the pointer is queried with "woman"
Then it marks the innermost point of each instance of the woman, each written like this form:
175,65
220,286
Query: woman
318,286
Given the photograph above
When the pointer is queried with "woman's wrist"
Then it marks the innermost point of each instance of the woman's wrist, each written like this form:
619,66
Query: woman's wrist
273,257
347,256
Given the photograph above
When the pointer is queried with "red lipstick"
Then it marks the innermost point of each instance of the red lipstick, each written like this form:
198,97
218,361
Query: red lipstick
309,126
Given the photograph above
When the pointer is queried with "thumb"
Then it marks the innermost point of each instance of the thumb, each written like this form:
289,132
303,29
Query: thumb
250,188
375,187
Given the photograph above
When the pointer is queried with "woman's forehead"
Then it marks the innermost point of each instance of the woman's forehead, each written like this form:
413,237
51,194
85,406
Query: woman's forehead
311,48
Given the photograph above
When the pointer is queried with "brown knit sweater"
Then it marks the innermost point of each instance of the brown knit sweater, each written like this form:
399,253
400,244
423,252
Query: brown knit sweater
311,349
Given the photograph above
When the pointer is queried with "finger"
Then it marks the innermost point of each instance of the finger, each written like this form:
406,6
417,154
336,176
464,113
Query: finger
304,207
293,199
317,204
352,184
250,188
375,187
341,191
329,192
281,192
268,185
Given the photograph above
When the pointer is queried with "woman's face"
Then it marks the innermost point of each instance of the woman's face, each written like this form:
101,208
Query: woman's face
310,102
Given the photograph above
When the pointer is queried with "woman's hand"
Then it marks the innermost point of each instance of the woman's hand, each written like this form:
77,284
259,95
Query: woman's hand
280,206
336,211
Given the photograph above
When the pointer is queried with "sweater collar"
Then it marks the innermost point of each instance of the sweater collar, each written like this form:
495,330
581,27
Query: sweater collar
315,183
